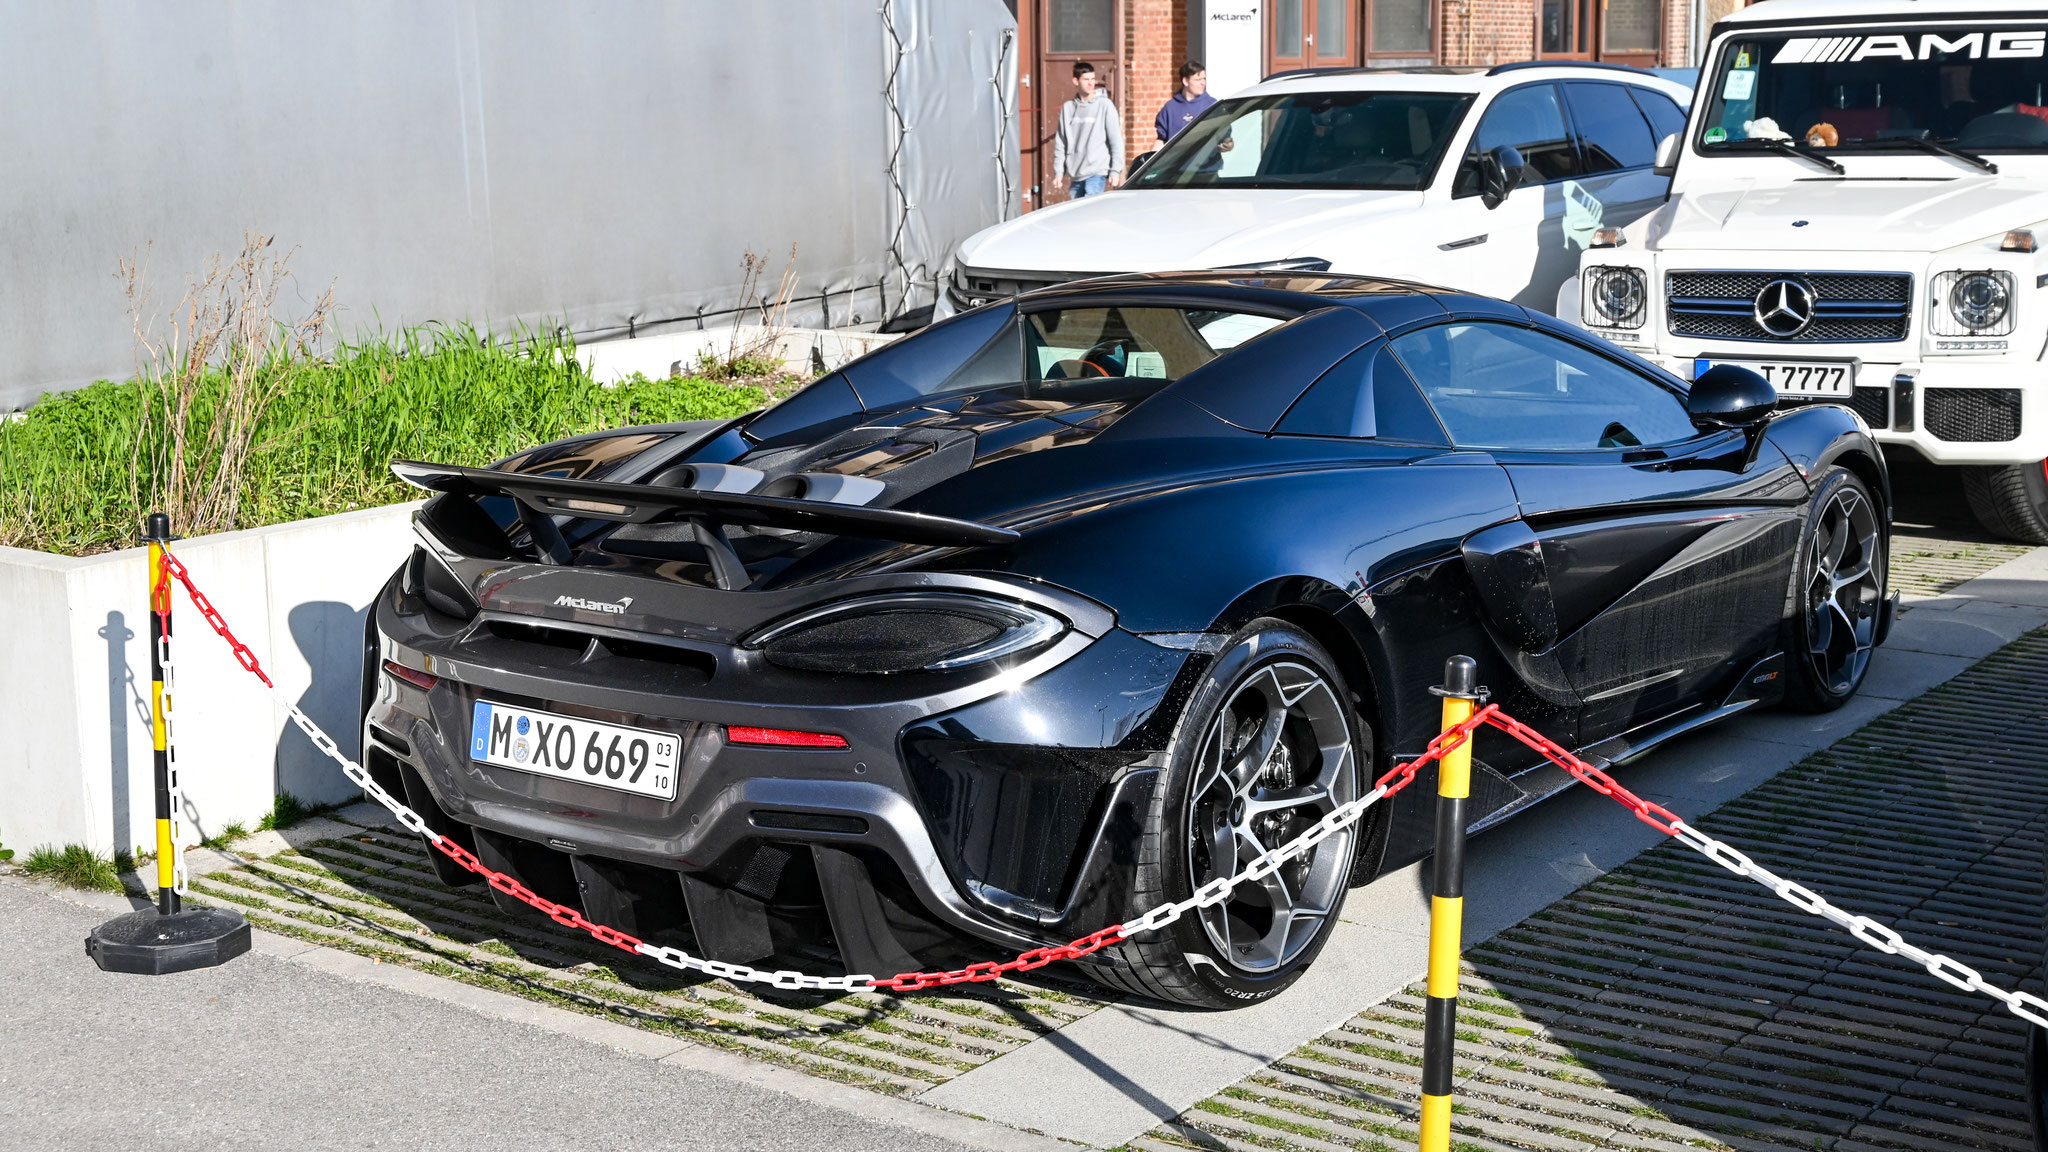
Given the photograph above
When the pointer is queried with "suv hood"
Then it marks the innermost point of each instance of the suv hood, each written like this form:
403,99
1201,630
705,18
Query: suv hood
1165,229
1831,215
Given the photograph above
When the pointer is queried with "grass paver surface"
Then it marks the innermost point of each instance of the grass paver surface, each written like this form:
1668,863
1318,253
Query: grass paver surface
1608,1020
1671,1004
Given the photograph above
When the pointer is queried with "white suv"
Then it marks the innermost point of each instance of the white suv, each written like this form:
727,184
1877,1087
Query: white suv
1485,181
1858,210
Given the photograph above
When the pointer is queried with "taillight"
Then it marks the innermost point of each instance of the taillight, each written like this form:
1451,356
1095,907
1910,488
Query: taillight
782,738
416,679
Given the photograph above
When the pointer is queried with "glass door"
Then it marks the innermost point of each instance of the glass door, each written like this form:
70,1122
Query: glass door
1310,34
1564,29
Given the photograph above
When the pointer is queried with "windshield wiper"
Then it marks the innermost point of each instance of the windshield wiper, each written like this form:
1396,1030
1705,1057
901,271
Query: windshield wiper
1788,148
1943,148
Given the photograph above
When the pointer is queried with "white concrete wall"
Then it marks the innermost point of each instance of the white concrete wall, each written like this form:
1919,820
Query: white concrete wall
75,758
804,350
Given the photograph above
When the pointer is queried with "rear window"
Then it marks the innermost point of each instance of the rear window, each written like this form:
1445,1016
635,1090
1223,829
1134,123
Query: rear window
1121,349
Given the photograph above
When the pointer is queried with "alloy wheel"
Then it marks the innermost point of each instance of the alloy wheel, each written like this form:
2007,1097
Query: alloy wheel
1276,759
1845,590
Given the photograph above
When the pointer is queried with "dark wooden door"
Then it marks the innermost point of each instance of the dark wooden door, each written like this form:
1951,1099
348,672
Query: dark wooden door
1311,34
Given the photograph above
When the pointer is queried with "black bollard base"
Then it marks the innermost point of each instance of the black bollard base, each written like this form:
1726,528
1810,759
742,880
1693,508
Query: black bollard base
153,944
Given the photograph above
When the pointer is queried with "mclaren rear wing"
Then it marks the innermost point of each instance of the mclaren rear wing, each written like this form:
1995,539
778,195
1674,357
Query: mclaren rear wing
541,498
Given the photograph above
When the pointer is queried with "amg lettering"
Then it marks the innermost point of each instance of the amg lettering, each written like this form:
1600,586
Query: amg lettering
1971,45
1951,45
501,734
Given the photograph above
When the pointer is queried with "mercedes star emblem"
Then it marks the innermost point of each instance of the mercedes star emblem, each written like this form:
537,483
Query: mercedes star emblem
1784,308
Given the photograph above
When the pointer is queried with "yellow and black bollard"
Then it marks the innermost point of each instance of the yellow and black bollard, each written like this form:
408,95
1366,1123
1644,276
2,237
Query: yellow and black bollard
170,937
158,534
1462,696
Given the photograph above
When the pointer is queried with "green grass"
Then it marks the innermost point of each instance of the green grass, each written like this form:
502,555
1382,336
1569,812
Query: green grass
288,810
74,866
68,479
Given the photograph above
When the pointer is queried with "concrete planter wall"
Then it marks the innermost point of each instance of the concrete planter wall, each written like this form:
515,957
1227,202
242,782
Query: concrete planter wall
75,757
808,350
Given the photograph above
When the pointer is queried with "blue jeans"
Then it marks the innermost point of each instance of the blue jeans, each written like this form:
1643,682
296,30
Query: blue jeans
1088,186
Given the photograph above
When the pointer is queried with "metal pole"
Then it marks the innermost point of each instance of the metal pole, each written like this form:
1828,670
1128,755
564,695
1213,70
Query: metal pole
158,533
1461,696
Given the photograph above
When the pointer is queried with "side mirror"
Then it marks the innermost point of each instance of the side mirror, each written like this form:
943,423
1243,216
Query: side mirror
1500,172
1730,396
1138,162
1666,163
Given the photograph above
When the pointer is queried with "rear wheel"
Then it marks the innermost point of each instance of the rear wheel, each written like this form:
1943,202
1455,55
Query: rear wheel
1841,594
1268,746
2010,500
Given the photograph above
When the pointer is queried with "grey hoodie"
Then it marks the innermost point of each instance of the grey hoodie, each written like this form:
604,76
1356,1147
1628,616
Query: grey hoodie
1090,141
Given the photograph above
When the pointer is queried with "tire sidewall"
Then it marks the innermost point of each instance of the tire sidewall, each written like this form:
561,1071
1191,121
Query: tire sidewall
1260,643
1819,696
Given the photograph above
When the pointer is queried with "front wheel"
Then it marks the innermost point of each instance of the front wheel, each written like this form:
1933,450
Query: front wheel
1269,745
1841,570
2010,500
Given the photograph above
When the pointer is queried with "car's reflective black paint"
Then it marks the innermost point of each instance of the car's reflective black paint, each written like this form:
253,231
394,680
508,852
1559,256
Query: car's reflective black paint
1612,596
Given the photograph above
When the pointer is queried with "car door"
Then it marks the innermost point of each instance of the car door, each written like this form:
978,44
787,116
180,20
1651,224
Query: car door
1517,249
1617,149
1665,550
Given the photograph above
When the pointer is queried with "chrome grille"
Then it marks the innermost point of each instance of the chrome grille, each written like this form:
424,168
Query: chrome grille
1849,307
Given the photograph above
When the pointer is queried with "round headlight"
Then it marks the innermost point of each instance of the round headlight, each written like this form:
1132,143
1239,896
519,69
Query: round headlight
1618,295
1979,300
906,633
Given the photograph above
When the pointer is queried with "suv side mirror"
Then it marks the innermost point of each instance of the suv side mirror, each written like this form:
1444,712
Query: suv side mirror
1138,162
1730,396
1500,172
1667,155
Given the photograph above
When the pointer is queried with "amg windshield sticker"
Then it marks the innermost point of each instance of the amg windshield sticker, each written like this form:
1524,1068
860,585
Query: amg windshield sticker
1966,45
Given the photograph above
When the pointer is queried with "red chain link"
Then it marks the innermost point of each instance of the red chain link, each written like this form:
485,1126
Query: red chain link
174,567
1655,815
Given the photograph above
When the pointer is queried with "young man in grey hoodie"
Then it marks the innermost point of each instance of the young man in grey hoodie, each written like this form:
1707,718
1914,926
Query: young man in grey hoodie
1089,147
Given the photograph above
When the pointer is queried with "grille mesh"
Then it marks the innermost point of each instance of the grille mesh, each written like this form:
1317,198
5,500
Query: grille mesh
1983,415
1717,306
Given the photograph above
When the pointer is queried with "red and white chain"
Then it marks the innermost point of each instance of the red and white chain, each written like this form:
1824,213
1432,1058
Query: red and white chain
2025,1005
1214,892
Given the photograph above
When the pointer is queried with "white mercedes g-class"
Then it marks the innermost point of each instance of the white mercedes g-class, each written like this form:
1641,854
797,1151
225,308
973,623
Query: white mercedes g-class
1858,207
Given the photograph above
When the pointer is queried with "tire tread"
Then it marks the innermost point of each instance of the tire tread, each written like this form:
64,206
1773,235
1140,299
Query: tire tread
2001,499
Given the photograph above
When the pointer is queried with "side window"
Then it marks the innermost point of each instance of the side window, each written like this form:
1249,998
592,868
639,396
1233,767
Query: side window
1612,133
1367,394
1499,386
1531,121
1666,117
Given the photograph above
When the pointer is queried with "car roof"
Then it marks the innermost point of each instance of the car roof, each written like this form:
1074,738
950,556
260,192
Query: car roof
1389,302
1477,81
1888,11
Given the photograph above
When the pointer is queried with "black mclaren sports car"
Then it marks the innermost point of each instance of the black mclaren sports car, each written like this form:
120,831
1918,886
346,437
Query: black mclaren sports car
1068,605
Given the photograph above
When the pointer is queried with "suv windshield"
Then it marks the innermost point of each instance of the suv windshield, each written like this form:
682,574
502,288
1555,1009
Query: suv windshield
1975,87
1311,140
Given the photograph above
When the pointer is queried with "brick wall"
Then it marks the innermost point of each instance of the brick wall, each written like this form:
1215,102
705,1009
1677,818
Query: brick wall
1677,29
1155,46
1486,32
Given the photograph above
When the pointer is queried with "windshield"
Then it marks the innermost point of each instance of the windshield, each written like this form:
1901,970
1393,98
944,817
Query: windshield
1976,87
1311,140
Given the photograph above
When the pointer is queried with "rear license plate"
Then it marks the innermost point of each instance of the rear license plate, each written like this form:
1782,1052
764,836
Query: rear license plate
569,748
1833,380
